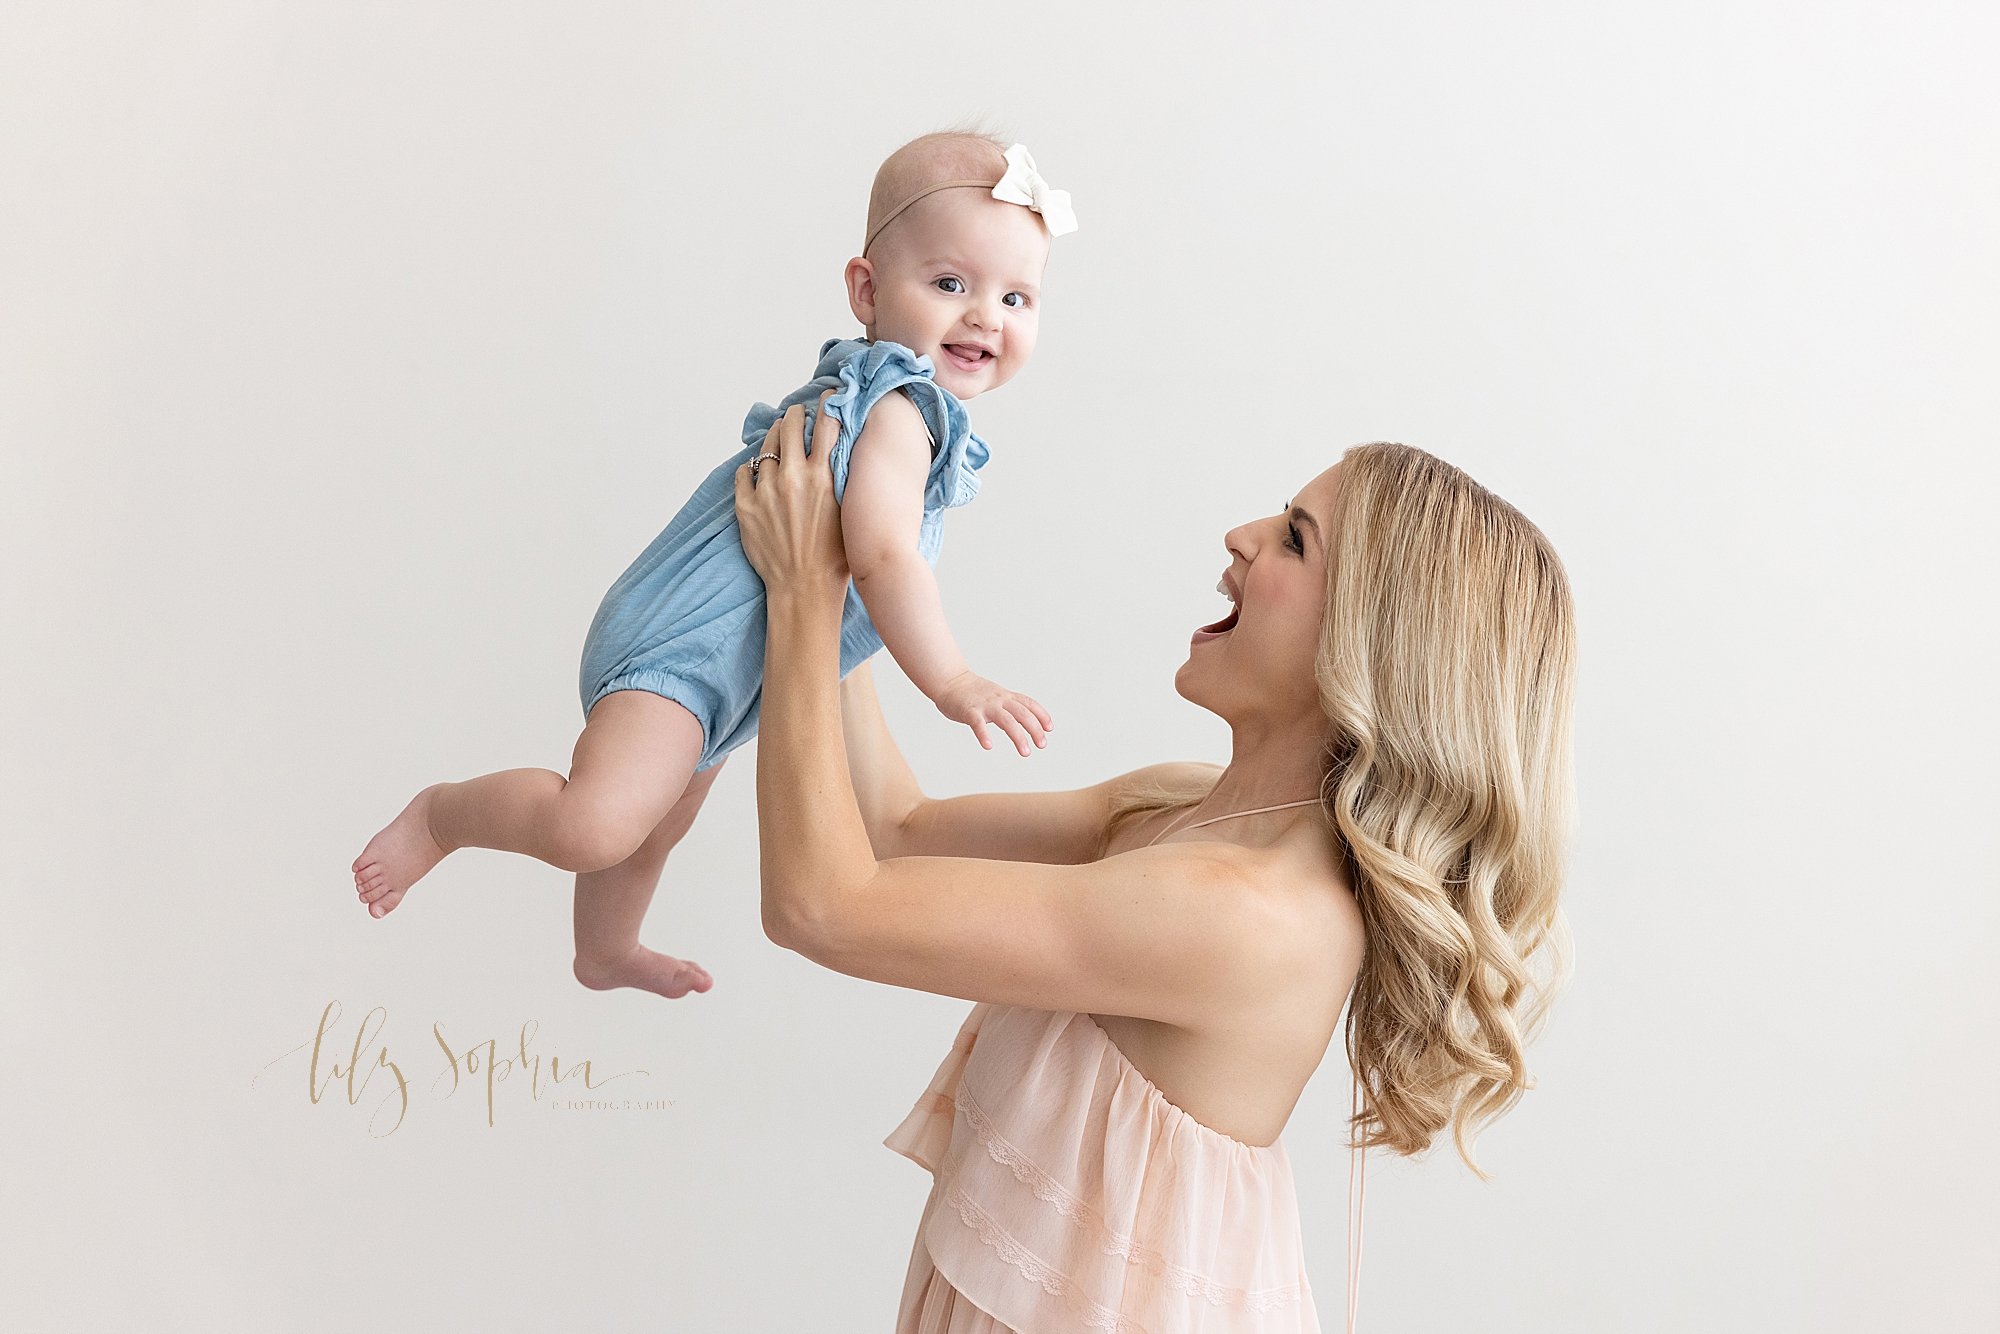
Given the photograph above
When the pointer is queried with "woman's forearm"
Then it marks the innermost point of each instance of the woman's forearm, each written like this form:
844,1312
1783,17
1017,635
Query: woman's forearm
811,837
883,783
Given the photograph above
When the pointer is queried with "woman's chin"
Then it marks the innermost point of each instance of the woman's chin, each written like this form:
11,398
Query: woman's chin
1205,684
1188,683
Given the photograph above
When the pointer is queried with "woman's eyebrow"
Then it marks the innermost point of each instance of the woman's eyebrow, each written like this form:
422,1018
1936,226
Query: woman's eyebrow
1298,513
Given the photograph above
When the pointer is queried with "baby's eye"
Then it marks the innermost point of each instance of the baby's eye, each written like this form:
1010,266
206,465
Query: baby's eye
1024,300
948,279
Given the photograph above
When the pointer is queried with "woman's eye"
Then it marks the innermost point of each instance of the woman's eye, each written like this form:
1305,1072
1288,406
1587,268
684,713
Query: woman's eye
1295,544
953,290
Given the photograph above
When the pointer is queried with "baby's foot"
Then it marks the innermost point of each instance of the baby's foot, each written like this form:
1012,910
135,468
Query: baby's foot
648,970
399,856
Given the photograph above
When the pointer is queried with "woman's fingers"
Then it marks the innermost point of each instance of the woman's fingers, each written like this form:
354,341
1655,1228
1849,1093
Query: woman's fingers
787,517
786,437
797,432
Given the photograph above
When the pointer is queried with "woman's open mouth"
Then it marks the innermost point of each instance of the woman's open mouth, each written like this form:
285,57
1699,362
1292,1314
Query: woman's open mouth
966,357
1219,629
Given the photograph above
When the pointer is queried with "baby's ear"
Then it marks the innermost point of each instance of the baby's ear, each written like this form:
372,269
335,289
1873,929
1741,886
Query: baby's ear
860,279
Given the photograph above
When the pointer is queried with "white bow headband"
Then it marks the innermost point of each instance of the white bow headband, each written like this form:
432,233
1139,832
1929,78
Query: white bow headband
1019,184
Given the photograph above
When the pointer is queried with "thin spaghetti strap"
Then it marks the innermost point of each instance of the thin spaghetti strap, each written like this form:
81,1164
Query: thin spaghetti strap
1283,805
1354,1210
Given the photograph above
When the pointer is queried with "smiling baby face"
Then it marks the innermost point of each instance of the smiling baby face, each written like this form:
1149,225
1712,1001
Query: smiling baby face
957,278
948,270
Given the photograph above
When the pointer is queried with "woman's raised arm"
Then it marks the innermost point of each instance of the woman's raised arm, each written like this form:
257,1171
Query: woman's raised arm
1110,937
1063,828
883,783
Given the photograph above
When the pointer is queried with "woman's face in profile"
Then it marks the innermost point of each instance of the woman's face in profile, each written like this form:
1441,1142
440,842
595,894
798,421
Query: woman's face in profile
1258,661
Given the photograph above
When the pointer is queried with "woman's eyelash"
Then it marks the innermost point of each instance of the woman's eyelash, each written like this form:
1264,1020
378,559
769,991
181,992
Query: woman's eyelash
1296,544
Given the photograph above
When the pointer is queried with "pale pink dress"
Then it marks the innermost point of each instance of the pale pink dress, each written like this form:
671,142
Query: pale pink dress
1070,1195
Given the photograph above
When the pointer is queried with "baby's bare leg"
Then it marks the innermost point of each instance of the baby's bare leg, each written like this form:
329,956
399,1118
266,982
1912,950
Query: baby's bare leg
611,903
631,765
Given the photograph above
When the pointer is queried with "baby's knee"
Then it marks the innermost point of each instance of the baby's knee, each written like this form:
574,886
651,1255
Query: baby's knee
594,835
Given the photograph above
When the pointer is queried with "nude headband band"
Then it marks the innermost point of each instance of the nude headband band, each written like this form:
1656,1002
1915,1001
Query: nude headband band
1020,184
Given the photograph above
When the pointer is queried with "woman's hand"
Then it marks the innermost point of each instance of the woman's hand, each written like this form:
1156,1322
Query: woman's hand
785,508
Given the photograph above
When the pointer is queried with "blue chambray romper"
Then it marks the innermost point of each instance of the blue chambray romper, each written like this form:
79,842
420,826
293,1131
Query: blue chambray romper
686,619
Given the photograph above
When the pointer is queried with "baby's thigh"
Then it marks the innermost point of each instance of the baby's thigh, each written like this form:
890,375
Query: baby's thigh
637,753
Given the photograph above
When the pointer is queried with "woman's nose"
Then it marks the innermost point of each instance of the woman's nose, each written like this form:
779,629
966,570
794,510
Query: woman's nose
1246,539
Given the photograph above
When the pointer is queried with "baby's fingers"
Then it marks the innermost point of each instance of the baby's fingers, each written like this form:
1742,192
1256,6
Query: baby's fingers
1011,726
1023,709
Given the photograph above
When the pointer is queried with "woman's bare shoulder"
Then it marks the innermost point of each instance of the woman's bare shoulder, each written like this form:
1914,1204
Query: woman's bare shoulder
1175,774
1137,805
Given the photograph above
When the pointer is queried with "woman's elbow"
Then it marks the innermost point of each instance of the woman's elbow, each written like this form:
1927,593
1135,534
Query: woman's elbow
777,929
825,925
782,926
792,925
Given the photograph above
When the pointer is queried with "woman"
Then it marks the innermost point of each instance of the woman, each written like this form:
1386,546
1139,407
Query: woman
1392,824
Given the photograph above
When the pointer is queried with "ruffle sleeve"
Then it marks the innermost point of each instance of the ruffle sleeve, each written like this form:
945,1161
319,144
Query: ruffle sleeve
862,378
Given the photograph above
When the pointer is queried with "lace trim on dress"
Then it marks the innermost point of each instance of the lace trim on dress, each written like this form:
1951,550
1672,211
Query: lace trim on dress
1082,1215
1035,1269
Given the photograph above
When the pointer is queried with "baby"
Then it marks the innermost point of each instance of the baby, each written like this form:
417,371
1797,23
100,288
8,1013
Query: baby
947,287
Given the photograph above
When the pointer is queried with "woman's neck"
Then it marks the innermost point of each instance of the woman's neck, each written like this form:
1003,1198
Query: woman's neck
1264,769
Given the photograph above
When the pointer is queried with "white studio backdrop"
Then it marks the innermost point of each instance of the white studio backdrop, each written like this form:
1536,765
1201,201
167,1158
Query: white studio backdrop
347,353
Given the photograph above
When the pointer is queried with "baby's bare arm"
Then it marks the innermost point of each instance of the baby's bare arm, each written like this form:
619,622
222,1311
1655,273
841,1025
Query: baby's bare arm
880,516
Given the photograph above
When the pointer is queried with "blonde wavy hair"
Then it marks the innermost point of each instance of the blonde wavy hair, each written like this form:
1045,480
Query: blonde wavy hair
1445,666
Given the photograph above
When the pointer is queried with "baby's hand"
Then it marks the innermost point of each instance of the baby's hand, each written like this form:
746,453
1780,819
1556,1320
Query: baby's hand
975,701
